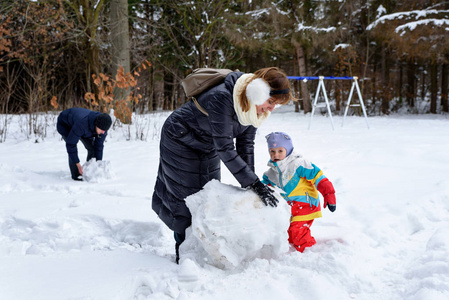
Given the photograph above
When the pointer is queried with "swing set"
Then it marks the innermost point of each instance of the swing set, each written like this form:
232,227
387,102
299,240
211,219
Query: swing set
322,88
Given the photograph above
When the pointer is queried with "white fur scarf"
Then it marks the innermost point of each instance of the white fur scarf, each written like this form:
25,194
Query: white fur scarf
250,117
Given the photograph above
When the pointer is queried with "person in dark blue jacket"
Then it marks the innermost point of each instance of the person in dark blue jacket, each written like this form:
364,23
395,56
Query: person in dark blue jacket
193,143
90,127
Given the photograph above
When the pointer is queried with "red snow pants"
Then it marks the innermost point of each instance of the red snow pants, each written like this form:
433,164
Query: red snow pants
299,235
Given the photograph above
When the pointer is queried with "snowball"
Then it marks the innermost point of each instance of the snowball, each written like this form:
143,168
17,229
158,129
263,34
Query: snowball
97,171
231,225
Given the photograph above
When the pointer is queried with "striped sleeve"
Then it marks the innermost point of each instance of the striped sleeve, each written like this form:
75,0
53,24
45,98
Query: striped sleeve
310,172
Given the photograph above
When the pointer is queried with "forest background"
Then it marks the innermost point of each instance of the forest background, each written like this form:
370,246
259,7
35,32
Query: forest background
130,55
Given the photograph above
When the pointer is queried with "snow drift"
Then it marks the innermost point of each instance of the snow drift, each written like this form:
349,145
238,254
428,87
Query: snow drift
388,238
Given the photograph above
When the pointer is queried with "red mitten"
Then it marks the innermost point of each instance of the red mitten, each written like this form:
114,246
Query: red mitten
327,190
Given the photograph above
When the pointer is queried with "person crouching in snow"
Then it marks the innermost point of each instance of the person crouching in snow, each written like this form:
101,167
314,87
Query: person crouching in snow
91,127
300,180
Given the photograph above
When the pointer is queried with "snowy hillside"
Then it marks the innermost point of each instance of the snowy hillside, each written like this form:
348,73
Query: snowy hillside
388,238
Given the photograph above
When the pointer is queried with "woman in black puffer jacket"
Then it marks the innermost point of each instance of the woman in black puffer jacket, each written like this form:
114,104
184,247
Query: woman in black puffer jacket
192,143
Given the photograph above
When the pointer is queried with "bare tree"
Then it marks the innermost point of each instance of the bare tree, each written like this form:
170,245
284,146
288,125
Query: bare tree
88,14
7,88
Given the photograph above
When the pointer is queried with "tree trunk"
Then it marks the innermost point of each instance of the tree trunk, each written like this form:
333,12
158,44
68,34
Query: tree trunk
295,85
158,87
444,88
433,87
338,94
303,72
168,91
151,91
120,54
411,84
149,88
423,85
120,35
386,95
400,87
92,53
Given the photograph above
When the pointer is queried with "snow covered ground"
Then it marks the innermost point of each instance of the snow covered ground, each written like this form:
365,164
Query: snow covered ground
388,238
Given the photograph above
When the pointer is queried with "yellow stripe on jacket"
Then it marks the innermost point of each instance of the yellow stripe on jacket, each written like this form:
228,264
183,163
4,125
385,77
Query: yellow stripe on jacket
308,217
305,187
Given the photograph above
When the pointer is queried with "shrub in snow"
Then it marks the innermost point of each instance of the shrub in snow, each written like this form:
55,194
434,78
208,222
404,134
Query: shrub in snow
231,225
97,171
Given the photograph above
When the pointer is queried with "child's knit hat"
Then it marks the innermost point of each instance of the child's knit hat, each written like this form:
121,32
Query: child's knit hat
279,139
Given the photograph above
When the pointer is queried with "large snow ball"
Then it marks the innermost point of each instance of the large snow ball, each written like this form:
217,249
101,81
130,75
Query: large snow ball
231,225
97,171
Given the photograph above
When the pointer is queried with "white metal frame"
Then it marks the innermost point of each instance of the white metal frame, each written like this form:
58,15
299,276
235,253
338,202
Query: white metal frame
348,104
321,87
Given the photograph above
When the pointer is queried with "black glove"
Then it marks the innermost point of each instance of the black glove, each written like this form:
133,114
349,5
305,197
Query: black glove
265,193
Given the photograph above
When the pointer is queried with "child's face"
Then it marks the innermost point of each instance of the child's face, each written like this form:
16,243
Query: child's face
277,154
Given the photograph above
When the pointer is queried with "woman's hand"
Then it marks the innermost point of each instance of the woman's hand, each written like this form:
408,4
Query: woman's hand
265,193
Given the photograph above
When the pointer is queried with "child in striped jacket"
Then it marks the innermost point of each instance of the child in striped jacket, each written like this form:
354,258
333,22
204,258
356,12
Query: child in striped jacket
300,180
